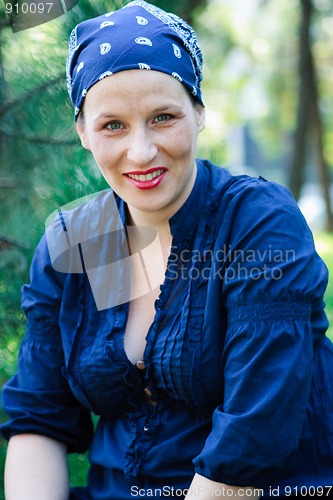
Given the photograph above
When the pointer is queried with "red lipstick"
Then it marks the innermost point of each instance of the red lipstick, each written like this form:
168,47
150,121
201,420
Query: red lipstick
146,179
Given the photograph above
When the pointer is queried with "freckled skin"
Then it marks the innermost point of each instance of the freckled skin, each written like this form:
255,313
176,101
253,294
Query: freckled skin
137,120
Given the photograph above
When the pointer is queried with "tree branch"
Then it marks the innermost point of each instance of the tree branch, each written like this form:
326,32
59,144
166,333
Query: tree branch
8,244
36,90
7,183
41,140
4,21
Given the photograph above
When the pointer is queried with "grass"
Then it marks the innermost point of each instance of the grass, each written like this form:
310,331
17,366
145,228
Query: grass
324,246
78,464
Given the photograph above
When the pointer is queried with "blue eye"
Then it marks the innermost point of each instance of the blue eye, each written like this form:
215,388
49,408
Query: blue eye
162,118
114,126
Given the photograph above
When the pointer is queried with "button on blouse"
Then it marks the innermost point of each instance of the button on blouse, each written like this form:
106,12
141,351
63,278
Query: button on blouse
141,365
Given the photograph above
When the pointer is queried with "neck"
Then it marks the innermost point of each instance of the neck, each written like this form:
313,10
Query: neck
155,220
138,238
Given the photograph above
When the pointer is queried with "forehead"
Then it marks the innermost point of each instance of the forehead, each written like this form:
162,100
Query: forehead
136,86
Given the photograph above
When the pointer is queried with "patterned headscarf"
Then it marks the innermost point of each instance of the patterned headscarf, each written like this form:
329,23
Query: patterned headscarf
138,36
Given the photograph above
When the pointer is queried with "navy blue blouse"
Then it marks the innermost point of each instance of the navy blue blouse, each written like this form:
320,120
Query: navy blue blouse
237,384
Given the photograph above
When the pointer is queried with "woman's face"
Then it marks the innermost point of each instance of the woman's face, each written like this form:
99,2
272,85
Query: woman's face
142,127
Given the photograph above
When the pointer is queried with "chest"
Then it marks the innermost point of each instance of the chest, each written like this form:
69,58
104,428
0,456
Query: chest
180,338
140,317
148,269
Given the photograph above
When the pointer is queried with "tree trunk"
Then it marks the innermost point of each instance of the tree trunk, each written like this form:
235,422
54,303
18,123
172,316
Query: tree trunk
183,8
308,118
316,128
297,163
9,105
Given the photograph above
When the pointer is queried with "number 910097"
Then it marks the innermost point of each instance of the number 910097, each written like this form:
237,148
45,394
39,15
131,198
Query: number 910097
308,491
28,8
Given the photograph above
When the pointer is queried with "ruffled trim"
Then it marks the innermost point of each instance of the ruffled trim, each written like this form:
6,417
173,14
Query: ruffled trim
269,312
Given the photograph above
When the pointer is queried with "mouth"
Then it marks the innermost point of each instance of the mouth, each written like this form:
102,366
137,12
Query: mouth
147,179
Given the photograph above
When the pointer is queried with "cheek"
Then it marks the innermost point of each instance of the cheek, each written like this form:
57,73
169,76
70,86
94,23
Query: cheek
104,155
184,142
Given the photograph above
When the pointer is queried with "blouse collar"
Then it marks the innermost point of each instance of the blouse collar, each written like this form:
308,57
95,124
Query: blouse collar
183,222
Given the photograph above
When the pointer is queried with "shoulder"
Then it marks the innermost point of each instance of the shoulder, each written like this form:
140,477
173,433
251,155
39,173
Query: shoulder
90,211
79,226
239,187
249,196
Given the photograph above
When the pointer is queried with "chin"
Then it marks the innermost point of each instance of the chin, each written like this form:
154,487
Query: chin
149,206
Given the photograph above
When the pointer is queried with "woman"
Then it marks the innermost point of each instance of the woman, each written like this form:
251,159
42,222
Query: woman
184,306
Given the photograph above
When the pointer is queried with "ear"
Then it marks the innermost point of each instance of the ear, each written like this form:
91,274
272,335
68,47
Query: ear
201,114
81,130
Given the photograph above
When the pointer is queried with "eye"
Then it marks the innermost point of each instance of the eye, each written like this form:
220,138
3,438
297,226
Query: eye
114,126
162,118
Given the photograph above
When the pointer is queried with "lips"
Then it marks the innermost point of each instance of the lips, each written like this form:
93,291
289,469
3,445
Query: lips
147,179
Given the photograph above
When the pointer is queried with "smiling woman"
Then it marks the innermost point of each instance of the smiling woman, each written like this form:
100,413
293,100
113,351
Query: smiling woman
183,306
144,141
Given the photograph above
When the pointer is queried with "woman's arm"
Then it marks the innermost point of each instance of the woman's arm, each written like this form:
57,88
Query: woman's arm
36,467
204,489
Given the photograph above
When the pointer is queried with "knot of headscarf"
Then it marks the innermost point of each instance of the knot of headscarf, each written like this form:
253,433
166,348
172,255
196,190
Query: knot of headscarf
138,36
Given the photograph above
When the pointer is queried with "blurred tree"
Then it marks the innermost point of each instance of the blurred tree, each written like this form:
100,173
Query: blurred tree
3,24
183,8
252,78
309,119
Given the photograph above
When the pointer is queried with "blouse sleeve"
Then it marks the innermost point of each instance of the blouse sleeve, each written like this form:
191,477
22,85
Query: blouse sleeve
38,398
273,284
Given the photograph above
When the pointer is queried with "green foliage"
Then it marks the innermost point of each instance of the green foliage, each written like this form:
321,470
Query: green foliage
78,467
324,245
251,69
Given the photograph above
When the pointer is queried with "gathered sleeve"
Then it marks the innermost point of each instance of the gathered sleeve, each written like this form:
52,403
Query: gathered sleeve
272,289
37,398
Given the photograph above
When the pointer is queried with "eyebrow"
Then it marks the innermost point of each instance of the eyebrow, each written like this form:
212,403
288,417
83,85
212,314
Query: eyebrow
108,116
165,108
104,117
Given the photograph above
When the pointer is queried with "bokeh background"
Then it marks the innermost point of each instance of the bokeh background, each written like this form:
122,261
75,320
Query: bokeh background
268,90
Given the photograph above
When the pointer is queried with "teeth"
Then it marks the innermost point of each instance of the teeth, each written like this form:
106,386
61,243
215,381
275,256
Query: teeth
146,177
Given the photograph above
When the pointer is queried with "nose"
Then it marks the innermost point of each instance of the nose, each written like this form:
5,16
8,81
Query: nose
141,146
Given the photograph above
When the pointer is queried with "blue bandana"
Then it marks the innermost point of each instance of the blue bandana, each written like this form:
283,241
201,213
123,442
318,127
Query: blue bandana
138,36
